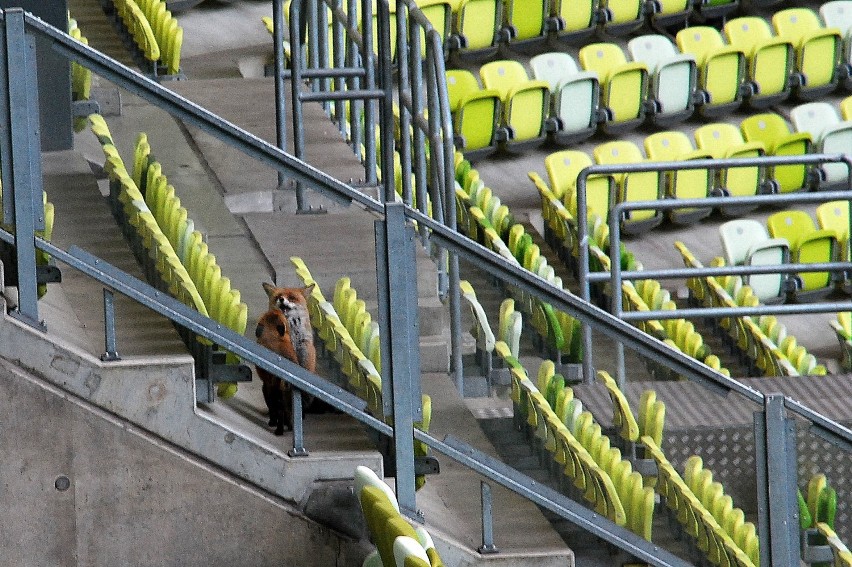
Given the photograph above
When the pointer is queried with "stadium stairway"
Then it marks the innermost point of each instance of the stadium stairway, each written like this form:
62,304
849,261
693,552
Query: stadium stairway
131,433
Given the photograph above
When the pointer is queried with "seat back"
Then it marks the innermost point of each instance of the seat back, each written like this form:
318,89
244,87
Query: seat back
623,84
526,17
834,215
701,41
738,236
563,167
642,186
773,132
814,117
746,242
673,72
806,242
818,48
554,67
838,14
684,184
748,32
721,67
575,93
718,138
502,76
846,106
654,50
471,18
576,16
668,146
602,58
460,83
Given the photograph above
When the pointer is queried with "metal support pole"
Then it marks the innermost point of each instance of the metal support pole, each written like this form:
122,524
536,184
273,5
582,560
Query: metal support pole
298,449
385,75
487,546
110,351
296,68
280,111
583,273
777,506
21,143
396,271
369,61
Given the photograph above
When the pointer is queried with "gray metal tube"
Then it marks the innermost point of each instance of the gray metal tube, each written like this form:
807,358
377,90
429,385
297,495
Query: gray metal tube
278,48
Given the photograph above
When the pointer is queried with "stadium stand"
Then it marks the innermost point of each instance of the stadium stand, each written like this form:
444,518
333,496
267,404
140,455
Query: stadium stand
156,34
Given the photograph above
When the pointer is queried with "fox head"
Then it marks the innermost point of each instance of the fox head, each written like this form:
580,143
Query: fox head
286,299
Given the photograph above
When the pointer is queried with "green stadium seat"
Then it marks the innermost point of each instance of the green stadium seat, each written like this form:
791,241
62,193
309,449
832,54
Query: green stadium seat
525,102
721,68
524,23
475,111
574,20
838,14
807,245
623,16
643,186
563,168
771,59
624,85
817,50
470,36
834,215
683,184
773,132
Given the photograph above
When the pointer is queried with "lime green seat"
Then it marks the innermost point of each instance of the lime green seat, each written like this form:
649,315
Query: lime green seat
726,141
807,245
575,95
838,14
524,22
773,132
642,186
721,69
770,59
623,16
475,113
563,167
834,215
574,20
684,184
624,85
525,102
817,50
475,28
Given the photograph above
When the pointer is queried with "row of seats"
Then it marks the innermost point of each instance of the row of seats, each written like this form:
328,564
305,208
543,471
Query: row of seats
81,77
763,342
580,450
173,253
817,513
697,521
398,543
348,335
680,334
42,258
555,330
154,31
630,427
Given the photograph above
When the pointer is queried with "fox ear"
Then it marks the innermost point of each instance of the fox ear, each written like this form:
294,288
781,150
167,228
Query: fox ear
269,289
306,291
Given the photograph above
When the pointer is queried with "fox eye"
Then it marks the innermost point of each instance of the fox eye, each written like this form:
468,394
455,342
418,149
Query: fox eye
282,330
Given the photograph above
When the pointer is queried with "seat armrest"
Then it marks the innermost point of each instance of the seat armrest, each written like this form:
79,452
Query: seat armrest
747,147
791,139
630,67
578,78
811,35
770,243
814,236
676,60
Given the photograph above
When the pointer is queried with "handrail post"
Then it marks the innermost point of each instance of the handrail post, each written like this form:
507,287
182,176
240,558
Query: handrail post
20,152
280,111
110,349
583,271
615,289
487,546
396,270
298,449
775,460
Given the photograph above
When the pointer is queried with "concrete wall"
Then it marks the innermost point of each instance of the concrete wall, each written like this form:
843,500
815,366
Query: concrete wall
78,486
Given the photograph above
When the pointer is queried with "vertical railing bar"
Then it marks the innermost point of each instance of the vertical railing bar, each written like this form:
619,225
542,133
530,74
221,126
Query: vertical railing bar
421,181
338,37
110,343
405,140
297,61
322,49
487,546
369,61
583,272
298,449
310,11
280,110
385,73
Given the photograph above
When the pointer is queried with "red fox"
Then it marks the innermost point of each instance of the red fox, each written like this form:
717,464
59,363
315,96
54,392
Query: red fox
273,332
293,302
285,329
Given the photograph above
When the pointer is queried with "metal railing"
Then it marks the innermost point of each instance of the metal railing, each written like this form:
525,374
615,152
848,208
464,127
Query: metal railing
22,183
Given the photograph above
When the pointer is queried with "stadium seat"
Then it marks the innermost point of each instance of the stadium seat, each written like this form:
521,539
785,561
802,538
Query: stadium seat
817,50
708,10
745,242
623,16
807,245
524,23
834,215
574,95
846,108
772,131
475,111
838,14
623,85
843,329
574,20
829,134
721,68
525,102
726,141
481,329
471,37
684,184
770,59
642,186
563,167
673,77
